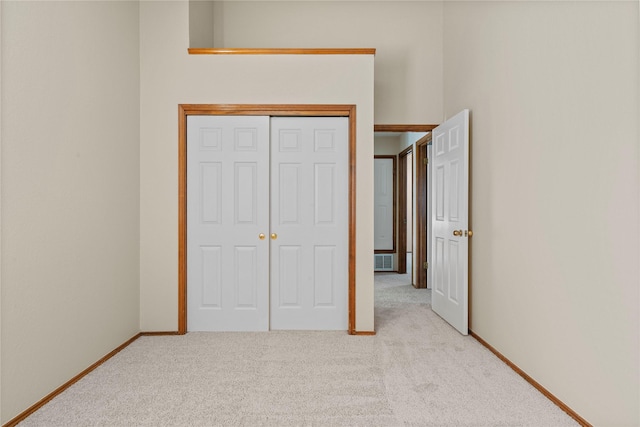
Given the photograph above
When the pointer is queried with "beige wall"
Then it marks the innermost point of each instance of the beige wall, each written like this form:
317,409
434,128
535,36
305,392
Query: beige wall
201,13
553,93
386,145
169,76
406,34
70,172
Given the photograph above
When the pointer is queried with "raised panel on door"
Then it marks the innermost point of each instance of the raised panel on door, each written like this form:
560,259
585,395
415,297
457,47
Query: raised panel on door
309,215
450,196
227,210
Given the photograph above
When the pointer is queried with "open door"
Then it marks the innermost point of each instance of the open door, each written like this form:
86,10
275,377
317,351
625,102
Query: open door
450,221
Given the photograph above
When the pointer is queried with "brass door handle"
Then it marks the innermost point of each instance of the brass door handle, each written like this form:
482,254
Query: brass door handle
274,236
469,233
457,233
261,236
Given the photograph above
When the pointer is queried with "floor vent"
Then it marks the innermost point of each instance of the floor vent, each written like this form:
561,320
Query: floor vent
383,262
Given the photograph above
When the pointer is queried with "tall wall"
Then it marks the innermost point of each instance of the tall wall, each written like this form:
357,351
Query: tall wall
169,77
406,34
553,92
70,191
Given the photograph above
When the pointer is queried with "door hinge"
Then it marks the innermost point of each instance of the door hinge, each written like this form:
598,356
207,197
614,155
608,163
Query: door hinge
425,161
425,265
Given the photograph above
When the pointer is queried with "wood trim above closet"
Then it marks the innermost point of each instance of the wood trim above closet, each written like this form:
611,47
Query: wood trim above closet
280,51
404,128
303,110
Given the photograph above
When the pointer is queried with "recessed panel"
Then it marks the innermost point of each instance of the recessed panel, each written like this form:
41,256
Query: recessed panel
381,176
289,140
246,276
324,141
289,275
325,193
454,262
245,193
324,267
210,257
289,177
246,139
380,224
211,139
454,138
454,191
438,261
439,199
211,193
439,144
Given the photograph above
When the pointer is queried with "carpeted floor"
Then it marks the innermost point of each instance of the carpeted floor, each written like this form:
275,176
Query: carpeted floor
417,371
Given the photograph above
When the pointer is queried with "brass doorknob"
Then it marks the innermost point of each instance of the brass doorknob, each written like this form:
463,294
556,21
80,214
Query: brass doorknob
274,236
261,236
457,233
470,233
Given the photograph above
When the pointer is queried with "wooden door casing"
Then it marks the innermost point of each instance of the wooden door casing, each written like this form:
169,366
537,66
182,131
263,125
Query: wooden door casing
273,110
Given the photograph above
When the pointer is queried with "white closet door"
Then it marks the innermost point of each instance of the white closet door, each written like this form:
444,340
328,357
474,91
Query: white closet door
227,210
309,222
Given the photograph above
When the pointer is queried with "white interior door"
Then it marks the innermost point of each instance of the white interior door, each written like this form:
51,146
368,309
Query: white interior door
309,223
227,210
267,228
383,203
450,221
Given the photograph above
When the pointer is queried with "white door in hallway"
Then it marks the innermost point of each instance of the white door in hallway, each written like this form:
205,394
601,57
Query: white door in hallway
267,223
227,211
450,221
309,223
383,203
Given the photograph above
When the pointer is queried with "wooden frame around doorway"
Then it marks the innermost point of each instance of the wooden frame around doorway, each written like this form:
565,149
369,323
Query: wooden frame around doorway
403,197
185,110
422,211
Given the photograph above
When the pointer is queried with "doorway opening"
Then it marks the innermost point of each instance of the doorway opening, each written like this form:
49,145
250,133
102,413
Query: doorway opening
442,219
409,144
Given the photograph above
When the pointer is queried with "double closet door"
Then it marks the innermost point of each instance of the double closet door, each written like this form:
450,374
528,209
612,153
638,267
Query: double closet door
267,223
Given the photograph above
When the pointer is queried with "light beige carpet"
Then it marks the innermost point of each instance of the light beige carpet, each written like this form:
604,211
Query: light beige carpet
417,371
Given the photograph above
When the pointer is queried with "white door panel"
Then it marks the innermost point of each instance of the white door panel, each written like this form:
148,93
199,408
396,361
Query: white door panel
450,220
290,184
309,212
383,202
227,209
